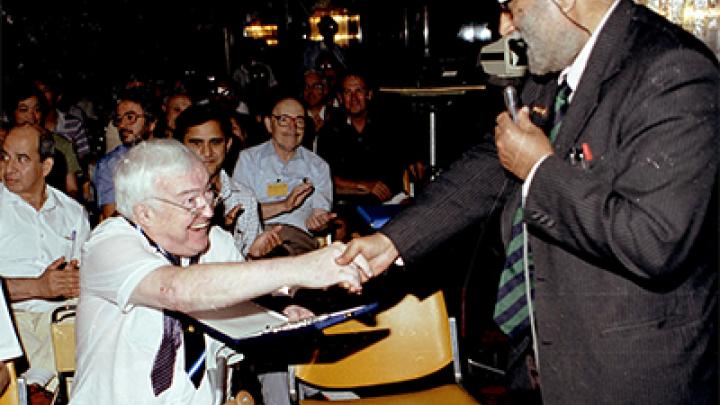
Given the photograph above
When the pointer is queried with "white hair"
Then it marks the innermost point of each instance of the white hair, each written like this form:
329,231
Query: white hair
137,174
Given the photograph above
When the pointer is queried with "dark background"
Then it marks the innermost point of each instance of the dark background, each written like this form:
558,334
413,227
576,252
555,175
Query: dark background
104,40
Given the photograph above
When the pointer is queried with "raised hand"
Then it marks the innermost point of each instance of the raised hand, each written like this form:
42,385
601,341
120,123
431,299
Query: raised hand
265,242
319,219
520,145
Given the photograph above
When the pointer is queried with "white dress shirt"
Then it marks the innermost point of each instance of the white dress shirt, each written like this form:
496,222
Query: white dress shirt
31,240
117,341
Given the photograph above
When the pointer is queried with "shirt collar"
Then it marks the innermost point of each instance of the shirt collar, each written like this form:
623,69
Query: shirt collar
269,150
12,198
574,72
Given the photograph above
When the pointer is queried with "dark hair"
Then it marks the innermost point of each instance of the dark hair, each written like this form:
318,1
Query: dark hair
198,114
46,144
46,141
364,76
22,90
145,98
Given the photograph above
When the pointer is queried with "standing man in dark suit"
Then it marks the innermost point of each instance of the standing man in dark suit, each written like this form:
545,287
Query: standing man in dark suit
620,206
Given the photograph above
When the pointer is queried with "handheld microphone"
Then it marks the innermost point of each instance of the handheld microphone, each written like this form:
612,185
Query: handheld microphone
512,103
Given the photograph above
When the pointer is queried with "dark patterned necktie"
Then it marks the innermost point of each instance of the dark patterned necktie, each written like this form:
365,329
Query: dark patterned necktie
511,308
177,330
164,364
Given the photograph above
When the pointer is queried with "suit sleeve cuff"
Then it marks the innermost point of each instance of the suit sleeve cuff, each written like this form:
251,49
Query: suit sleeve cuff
528,179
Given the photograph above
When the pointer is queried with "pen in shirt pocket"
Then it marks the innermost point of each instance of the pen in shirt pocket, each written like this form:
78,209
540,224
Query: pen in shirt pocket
73,236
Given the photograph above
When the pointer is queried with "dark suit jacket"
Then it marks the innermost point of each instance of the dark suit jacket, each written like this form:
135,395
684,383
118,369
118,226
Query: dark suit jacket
625,250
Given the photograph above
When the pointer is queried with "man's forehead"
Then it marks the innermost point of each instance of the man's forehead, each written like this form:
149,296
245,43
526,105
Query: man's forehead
22,139
354,82
313,77
183,182
288,106
128,105
32,100
206,131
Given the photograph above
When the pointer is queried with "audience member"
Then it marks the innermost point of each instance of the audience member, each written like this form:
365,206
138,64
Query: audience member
176,102
365,149
135,118
65,119
134,81
292,183
315,99
609,207
41,232
205,130
331,71
129,318
29,106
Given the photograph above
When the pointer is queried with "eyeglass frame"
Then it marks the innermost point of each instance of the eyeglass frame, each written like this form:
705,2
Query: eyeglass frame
296,120
118,119
209,197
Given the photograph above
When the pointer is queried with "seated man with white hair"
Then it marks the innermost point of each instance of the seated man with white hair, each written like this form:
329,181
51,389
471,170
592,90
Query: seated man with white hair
161,257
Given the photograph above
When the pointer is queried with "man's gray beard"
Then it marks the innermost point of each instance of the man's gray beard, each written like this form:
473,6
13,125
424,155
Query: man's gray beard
553,50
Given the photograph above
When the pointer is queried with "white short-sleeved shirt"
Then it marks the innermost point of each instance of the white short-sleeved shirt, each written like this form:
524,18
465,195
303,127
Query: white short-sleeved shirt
9,346
261,169
117,341
31,240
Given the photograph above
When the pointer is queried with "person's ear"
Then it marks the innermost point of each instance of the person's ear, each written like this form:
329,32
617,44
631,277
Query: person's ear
47,166
268,124
228,143
143,215
369,95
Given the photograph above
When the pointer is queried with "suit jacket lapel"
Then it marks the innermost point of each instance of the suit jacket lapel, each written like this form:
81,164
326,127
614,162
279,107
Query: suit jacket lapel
604,63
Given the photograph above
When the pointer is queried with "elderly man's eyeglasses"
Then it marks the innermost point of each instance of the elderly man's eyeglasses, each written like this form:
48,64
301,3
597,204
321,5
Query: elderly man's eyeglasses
285,120
131,117
194,204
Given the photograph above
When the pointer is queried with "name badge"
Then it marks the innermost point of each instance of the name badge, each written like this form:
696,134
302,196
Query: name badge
277,190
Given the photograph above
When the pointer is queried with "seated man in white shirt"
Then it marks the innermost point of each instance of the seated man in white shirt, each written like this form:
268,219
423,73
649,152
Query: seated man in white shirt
161,258
41,232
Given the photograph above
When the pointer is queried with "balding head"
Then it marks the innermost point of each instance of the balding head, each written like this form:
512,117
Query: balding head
27,160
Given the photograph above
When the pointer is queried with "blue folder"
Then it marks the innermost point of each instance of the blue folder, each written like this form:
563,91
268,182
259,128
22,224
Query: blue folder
378,215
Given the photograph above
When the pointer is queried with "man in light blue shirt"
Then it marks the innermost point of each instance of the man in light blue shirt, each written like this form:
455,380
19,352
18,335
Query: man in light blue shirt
292,184
135,117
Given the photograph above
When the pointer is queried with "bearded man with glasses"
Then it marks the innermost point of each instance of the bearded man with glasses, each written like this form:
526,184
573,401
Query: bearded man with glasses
135,117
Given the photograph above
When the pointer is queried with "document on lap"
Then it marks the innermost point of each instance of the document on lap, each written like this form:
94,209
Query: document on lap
250,323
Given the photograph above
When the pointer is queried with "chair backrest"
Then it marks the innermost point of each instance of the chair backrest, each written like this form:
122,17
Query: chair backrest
63,338
62,330
419,344
12,394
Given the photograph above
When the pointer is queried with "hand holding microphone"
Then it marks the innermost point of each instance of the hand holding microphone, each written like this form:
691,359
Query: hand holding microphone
520,143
